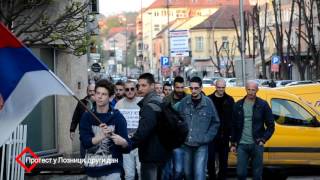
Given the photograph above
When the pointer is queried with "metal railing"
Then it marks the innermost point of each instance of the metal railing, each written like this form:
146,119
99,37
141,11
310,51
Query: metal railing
10,169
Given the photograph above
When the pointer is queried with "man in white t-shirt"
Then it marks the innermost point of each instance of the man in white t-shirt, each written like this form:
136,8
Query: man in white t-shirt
129,108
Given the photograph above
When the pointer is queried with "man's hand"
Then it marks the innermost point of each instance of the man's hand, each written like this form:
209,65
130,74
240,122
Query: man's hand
261,143
72,134
105,132
233,149
118,140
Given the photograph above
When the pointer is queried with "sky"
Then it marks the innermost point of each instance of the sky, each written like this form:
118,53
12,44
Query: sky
110,7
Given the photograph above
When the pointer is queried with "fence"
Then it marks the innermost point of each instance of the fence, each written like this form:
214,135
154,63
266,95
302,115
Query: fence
10,169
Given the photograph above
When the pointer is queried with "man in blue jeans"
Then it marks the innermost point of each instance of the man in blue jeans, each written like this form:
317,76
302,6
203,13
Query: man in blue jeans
203,122
174,168
252,126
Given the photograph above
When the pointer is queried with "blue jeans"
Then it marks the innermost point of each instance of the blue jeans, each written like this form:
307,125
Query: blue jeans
245,153
174,167
130,164
195,162
151,171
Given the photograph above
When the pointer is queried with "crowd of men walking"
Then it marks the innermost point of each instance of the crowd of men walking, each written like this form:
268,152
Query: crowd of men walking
130,150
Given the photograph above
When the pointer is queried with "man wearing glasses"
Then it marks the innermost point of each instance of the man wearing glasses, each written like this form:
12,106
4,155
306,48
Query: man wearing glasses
220,144
129,106
203,121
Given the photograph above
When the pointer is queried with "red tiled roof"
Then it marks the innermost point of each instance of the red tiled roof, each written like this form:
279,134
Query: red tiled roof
115,30
194,3
221,19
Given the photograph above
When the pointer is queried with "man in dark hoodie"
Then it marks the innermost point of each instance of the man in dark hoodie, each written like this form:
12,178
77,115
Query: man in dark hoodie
152,154
220,144
104,142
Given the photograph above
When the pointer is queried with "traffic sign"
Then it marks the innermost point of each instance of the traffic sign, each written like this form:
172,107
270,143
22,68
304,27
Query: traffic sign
274,67
95,67
164,61
275,60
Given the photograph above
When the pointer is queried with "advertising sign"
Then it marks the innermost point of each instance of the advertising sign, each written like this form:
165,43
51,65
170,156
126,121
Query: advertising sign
179,45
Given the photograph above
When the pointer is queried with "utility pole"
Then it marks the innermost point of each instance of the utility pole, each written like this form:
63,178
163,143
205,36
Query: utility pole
169,51
151,47
126,48
242,44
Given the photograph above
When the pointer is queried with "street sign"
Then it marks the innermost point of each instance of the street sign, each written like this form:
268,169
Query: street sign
179,43
95,56
275,60
274,67
164,61
95,67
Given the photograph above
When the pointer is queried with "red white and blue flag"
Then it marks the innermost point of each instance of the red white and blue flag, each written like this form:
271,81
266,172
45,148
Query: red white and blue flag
24,81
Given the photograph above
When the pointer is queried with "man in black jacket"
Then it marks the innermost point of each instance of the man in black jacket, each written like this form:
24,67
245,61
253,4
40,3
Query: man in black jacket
252,127
152,154
220,144
88,101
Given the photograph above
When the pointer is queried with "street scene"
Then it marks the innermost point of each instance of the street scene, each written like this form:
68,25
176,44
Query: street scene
160,89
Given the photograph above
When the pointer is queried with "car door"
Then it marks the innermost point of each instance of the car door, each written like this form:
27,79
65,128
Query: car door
296,139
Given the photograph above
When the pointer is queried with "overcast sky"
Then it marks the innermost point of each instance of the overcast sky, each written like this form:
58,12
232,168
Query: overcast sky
109,7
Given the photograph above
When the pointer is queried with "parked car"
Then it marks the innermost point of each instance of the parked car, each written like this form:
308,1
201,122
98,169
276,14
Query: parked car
263,82
299,83
231,82
281,83
207,82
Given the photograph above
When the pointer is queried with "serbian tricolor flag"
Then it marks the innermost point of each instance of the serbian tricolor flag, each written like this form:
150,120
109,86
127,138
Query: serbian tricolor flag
24,81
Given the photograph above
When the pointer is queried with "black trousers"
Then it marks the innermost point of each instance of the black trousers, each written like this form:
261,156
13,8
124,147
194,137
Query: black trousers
219,148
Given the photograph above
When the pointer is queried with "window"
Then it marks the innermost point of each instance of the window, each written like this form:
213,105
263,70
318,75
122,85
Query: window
199,43
156,27
225,42
94,6
290,113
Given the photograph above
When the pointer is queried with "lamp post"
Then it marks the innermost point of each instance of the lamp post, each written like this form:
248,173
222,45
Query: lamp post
242,43
151,47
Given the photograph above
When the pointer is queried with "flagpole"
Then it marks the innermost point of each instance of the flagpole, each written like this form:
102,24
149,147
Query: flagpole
74,96
88,110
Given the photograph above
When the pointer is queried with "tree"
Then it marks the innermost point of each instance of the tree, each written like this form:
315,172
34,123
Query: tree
278,38
45,22
313,46
261,34
225,53
295,51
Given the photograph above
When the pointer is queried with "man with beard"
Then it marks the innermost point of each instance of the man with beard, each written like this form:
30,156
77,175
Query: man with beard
174,167
130,102
78,112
